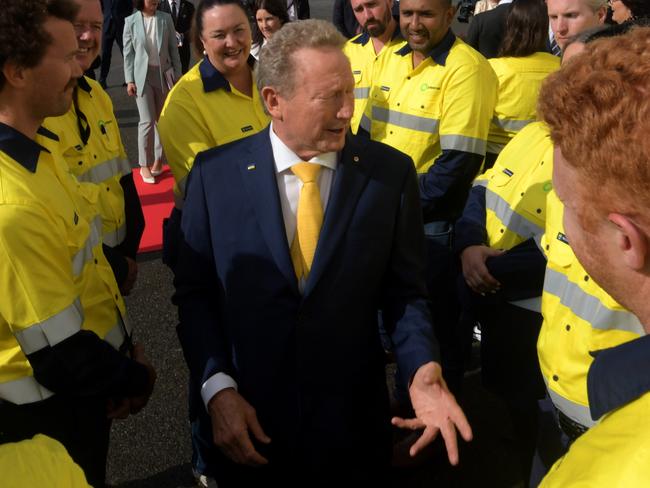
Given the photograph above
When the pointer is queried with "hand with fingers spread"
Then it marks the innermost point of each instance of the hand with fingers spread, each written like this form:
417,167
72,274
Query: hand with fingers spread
233,420
436,411
475,271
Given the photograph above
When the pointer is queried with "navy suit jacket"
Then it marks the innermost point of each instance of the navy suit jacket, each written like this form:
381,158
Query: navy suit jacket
311,364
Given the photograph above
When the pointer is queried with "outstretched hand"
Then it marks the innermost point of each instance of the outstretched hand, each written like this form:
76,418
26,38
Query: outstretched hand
436,411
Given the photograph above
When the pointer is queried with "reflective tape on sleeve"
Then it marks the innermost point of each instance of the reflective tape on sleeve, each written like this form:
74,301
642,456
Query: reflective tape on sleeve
23,390
52,330
511,124
463,143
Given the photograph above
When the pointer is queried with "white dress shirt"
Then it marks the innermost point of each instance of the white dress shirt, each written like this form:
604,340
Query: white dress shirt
289,186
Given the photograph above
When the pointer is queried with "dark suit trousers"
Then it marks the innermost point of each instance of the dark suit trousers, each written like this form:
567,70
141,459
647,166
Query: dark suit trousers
111,34
184,53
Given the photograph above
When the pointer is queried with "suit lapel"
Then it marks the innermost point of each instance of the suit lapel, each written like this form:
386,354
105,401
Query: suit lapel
139,27
259,177
350,179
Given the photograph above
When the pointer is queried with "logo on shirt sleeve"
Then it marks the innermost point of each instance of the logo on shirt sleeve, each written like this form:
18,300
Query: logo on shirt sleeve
247,128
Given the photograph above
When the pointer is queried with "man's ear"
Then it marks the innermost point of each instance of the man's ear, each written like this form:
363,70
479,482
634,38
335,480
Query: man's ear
273,102
631,240
14,74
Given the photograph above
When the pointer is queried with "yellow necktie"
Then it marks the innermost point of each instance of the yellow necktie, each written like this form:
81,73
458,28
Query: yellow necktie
309,219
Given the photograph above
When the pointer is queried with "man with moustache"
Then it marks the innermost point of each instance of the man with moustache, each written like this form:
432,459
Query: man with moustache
380,35
61,316
433,99
293,238
90,141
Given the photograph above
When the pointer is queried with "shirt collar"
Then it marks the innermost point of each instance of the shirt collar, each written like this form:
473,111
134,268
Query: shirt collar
21,148
285,157
84,85
364,37
439,52
212,78
618,375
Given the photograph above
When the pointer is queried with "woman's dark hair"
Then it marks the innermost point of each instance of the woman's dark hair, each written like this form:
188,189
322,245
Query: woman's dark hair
139,4
197,24
274,7
640,8
526,29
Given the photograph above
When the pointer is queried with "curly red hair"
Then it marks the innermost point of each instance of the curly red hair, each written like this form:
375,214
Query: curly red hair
598,110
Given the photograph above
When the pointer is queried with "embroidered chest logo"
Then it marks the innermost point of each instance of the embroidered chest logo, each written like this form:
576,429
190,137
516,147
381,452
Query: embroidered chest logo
247,128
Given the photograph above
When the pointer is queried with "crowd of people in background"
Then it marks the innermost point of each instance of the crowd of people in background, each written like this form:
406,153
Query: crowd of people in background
374,191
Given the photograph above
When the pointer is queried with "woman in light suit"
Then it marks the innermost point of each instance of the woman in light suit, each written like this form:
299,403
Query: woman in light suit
151,65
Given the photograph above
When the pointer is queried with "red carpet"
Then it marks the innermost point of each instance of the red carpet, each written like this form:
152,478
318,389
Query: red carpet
157,202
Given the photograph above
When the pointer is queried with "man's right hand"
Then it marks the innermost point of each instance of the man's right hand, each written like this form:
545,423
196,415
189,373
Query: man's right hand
232,420
475,271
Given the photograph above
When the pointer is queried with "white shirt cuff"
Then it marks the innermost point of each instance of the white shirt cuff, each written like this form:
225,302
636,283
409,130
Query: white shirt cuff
214,384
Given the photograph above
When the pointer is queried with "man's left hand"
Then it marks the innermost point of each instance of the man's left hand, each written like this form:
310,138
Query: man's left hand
435,410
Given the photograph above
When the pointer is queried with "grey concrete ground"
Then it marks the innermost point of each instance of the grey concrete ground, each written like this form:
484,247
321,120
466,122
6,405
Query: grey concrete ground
152,449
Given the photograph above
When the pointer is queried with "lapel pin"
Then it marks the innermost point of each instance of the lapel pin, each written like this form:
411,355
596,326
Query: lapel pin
355,159
250,167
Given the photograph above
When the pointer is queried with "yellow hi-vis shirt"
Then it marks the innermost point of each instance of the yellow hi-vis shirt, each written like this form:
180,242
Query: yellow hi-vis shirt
579,317
519,82
613,454
102,159
445,103
363,59
39,462
55,277
516,188
202,111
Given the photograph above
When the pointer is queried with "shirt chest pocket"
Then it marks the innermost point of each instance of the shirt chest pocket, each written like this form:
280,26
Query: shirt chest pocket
108,133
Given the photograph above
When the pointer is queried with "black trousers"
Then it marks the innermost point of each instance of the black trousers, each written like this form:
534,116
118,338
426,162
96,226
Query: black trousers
111,34
80,424
184,54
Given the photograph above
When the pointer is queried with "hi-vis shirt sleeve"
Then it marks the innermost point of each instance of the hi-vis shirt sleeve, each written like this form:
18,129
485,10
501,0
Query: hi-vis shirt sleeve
183,132
37,276
467,107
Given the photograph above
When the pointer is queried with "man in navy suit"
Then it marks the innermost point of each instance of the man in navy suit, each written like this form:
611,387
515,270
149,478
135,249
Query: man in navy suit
182,12
115,11
291,368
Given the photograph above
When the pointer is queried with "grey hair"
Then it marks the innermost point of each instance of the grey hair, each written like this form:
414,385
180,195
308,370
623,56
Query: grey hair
276,66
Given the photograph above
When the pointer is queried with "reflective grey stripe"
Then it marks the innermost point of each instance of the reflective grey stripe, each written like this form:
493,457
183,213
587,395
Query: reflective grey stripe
512,220
511,124
115,238
494,148
106,170
408,121
365,123
463,143
116,336
576,412
52,330
588,307
85,254
483,183
23,390
361,93
538,242
532,304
